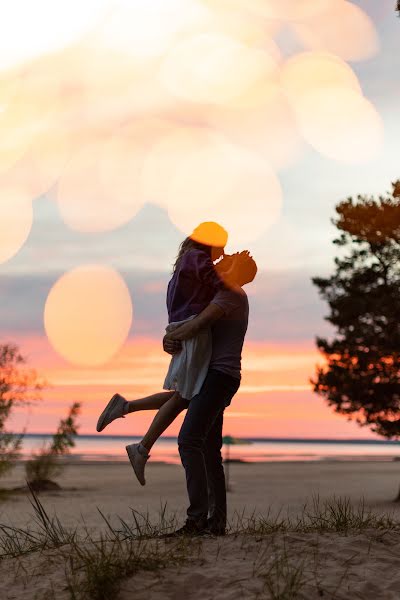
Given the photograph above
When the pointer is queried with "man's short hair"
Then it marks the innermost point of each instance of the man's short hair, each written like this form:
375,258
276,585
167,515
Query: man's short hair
248,270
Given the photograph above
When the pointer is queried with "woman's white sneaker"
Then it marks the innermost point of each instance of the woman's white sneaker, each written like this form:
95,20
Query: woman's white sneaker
115,409
138,458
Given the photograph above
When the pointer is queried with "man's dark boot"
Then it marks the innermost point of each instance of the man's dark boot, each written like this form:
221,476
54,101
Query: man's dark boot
191,528
216,528
219,531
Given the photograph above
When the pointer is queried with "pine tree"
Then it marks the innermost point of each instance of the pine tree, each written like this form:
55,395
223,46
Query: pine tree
361,378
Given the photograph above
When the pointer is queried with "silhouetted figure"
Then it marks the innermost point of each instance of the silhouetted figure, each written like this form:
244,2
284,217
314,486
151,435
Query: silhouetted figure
200,437
196,284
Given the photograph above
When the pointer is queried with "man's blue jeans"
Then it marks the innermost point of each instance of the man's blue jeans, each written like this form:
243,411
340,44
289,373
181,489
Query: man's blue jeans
200,443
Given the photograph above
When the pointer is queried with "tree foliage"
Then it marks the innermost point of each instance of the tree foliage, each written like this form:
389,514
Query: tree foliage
361,378
44,465
18,386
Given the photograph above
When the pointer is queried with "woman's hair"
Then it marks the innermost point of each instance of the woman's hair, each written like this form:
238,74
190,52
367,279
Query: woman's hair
189,244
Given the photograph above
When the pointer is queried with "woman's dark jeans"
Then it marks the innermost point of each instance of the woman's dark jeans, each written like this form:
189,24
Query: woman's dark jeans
200,443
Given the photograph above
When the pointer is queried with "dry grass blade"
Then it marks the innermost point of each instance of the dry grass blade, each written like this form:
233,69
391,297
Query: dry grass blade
336,514
97,568
47,532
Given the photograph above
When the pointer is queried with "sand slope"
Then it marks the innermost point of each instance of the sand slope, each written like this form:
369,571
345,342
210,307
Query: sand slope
282,565
330,566
304,566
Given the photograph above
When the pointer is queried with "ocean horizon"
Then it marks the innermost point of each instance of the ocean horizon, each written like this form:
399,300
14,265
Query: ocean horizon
100,447
253,439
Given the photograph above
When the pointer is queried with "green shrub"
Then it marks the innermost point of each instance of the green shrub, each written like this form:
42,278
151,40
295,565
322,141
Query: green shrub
44,465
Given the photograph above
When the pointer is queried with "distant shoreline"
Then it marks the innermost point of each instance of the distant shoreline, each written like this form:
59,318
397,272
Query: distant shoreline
77,460
247,439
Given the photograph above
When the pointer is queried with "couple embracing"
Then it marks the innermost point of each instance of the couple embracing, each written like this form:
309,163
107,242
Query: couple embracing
208,315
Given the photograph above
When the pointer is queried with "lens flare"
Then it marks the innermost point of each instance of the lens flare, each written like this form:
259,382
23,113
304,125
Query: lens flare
15,219
184,103
343,29
213,68
243,25
145,29
284,10
309,71
161,164
30,29
88,314
263,122
99,189
9,86
341,124
216,181
49,156
167,159
20,123
292,10
33,120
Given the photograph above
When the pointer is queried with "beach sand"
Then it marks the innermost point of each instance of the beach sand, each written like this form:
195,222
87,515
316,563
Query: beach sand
258,487
329,564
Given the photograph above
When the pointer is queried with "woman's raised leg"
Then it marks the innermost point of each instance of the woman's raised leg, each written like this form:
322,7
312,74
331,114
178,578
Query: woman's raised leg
118,407
152,402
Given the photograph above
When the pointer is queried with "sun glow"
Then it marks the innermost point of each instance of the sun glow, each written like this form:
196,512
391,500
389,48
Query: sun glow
88,314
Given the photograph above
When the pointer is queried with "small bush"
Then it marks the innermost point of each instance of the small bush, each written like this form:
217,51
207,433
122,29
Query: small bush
44,465
18,386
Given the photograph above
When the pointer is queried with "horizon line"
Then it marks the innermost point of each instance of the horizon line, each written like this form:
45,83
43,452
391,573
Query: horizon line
253,439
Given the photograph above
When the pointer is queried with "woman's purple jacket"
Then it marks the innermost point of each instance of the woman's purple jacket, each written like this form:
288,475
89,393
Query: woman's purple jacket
194,284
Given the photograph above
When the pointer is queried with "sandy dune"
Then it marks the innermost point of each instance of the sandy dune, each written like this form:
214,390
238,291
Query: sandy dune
355,564
334,566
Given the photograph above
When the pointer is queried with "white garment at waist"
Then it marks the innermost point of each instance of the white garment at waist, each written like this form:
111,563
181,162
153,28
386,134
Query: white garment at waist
188,369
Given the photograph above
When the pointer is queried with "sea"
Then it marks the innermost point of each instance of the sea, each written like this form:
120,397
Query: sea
112,448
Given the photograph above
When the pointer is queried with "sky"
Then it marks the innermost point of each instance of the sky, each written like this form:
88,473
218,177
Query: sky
274,185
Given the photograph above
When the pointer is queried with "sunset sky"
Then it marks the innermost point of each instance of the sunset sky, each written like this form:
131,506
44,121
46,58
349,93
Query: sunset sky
256,148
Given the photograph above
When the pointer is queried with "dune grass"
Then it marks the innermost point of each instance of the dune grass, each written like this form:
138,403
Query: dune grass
97,564
283,578
97,568
46,532
336,514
